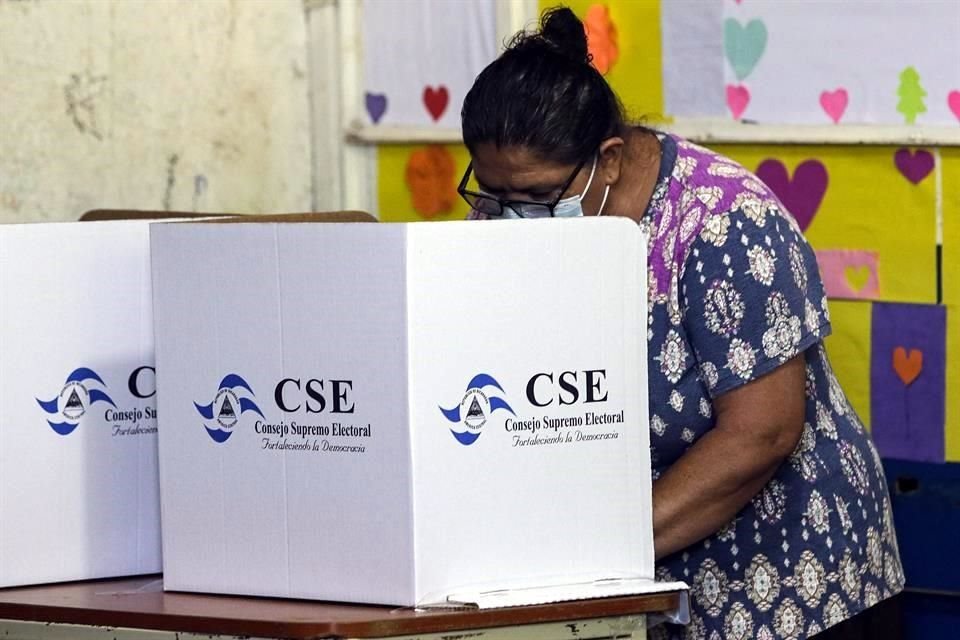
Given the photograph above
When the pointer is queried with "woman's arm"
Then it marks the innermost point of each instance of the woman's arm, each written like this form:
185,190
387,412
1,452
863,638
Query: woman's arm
758,426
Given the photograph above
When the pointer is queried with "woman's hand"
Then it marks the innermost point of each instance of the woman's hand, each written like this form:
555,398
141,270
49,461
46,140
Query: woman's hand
758,427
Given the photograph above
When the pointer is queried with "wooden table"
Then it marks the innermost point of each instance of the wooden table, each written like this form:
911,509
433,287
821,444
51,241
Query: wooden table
139,609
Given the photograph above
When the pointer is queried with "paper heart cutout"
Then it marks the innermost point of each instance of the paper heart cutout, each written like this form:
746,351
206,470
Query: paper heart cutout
857,277
802,194
436,100
738,97
953,101
601,38
914,165
744,45
849,273
376,105
834,103
908,367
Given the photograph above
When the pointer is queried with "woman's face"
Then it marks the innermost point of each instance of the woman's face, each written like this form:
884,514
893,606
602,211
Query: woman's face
517,173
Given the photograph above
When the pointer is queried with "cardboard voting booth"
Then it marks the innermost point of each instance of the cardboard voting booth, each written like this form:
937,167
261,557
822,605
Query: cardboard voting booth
79,495
404,413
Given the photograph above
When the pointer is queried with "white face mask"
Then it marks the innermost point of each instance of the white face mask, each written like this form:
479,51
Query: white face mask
571,207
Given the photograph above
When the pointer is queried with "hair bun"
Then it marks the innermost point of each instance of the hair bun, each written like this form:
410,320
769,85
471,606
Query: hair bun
562,29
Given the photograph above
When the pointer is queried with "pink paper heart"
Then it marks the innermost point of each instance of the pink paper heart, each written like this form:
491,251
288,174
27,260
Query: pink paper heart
914,165
953,101
738,97
802,194
834,103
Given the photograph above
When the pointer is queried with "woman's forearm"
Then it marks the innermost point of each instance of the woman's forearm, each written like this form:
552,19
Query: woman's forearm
758,426
706,488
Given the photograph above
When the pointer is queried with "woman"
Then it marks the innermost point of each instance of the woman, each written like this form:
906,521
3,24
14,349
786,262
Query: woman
768,496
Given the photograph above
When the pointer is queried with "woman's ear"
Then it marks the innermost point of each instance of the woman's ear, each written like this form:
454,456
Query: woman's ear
611,160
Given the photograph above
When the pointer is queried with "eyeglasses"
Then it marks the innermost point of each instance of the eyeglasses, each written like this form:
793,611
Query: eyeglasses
494,207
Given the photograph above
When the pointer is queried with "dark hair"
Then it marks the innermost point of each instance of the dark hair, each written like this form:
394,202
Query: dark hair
542,93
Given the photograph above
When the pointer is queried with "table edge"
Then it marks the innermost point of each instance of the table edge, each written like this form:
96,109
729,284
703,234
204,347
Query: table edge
465,620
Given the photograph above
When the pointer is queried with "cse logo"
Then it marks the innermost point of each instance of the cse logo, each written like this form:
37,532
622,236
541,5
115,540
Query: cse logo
142,383
565,388
312,395
469,416
227,406
83,388
235,397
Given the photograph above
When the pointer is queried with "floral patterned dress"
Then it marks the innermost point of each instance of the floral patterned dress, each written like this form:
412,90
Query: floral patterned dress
734,293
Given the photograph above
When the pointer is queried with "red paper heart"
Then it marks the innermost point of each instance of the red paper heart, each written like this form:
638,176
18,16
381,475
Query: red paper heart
908,367
436,100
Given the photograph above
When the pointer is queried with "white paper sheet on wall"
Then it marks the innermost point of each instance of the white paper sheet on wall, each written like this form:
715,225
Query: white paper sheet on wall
693,57
421,57
815,61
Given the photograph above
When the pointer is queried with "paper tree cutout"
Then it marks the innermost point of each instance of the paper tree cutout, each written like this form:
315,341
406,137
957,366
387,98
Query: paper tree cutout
601,38
911,95
430,176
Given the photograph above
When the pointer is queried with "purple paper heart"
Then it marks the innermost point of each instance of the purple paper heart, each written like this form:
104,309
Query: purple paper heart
914,165
803,194
376,105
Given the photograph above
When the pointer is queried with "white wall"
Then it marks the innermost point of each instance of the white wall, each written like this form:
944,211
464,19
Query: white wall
153,104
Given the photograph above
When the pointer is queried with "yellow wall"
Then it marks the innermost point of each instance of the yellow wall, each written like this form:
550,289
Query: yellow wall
395,201
868,205
636,76
950,158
